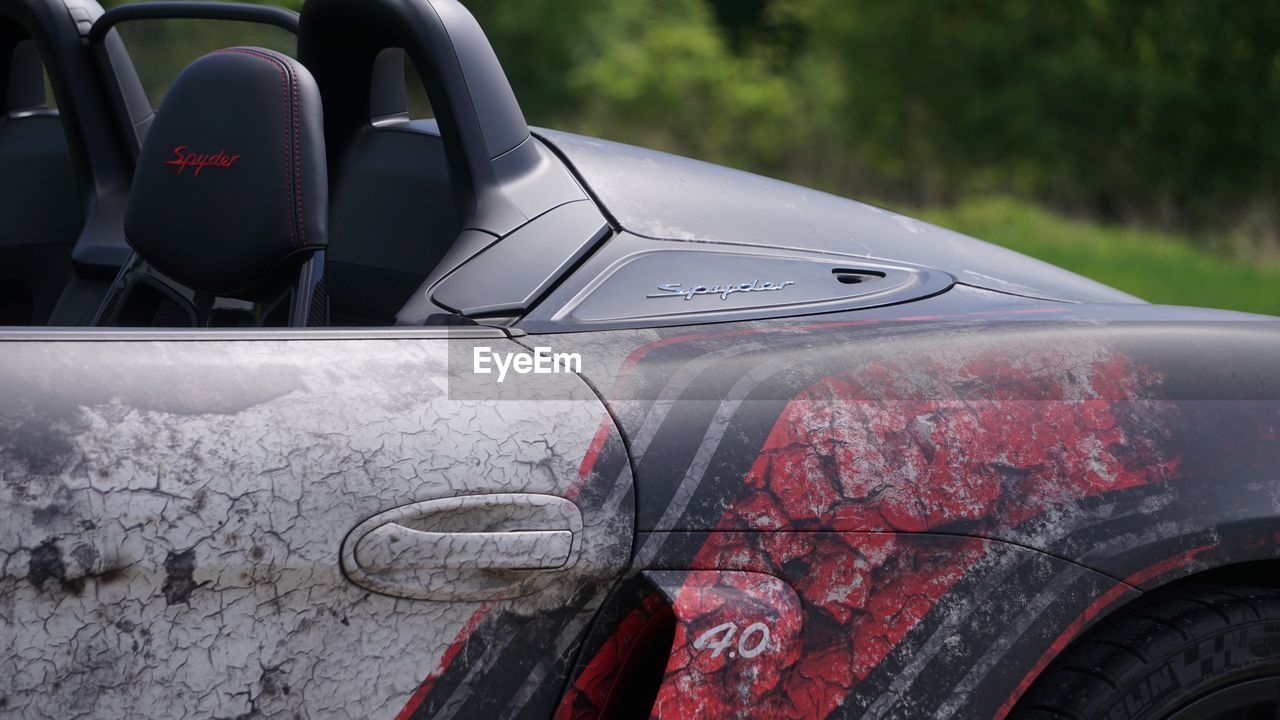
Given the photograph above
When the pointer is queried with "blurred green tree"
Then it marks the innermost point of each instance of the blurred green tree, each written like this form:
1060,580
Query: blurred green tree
1162,111
660,73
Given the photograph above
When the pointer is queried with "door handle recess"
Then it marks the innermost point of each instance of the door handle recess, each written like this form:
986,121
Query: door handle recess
473,546
394,546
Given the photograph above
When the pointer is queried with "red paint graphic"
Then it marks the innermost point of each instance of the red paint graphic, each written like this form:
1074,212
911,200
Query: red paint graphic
990,440
860,593
183,160
454,648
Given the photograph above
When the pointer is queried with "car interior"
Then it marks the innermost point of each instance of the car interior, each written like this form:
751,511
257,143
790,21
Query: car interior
39,198
114,214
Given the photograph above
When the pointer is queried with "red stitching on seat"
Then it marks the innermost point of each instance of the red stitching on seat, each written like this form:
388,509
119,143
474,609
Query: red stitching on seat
289,83
297,162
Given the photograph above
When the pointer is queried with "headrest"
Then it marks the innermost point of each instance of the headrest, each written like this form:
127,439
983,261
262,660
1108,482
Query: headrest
231,189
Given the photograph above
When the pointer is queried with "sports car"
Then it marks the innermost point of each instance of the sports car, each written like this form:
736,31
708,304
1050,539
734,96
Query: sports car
314,407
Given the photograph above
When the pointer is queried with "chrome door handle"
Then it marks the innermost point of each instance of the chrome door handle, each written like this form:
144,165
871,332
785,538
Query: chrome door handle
394,546
474,546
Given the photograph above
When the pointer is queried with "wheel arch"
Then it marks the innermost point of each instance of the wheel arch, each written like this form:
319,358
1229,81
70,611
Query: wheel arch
1258,573
1234,558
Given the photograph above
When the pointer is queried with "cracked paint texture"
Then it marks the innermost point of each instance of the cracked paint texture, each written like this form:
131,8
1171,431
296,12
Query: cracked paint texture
175,512
979,440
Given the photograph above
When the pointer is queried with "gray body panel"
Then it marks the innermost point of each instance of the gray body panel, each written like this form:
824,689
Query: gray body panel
667,197
175,511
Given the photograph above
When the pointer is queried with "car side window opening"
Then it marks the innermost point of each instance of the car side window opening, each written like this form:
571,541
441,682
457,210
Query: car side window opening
393,212
50,98
393,205
397,93
401,186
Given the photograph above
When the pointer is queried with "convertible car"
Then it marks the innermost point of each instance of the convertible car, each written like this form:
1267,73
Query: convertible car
315,407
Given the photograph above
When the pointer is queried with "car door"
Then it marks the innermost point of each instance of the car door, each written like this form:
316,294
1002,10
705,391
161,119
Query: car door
297,524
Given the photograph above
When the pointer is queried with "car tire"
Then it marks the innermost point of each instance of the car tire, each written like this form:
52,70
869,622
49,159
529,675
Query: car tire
1203,653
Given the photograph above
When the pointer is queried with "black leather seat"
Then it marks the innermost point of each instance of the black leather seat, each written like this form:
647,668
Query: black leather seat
40,206
228,216
395,208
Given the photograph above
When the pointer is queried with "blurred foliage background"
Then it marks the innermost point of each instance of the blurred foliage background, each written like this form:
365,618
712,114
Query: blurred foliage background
1136,142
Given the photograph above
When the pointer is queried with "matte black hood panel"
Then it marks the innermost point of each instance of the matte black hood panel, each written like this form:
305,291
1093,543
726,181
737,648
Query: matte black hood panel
667,197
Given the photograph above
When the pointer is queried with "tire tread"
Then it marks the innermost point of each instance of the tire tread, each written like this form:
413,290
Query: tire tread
1092,673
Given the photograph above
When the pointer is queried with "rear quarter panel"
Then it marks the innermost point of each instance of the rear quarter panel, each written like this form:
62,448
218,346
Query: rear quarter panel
955,494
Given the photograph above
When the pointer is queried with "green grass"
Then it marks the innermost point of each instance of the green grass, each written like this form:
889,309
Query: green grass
1162,268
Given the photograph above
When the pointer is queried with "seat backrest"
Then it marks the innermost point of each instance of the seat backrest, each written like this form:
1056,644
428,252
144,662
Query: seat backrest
40,208
395,209
229,208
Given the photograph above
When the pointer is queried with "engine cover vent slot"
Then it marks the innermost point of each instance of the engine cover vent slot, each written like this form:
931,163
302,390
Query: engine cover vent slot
847,276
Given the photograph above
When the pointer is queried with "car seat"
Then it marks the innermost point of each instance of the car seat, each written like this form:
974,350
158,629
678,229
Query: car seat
228,217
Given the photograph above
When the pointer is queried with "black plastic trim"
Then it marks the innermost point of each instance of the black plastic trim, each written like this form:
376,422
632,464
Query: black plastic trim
503,178
511,274
242,12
